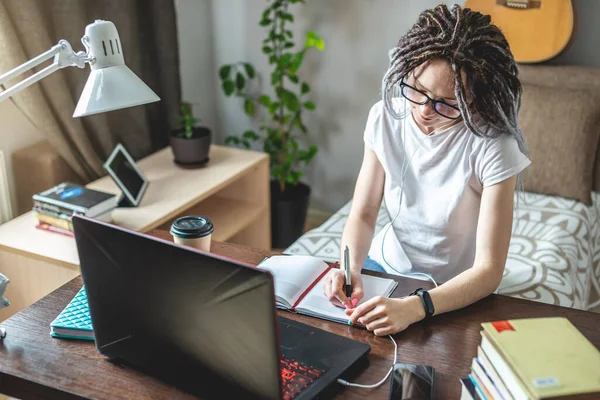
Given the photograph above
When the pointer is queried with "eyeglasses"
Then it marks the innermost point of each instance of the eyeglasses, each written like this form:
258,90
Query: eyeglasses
416,96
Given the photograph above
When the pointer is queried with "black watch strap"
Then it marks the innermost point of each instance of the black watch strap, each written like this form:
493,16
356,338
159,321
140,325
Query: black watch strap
426,300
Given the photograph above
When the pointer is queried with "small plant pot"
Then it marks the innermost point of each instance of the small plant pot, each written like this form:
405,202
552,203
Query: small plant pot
192,151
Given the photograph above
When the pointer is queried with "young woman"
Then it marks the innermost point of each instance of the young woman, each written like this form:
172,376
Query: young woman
444,150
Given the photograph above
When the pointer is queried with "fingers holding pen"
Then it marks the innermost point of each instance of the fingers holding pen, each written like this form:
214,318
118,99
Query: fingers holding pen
332,288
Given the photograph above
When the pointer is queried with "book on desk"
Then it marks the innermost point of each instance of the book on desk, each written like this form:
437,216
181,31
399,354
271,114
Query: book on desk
74,322
298,286
54,208
72,198
533,358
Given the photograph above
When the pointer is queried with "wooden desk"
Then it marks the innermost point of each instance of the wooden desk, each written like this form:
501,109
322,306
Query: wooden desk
232,190
34,365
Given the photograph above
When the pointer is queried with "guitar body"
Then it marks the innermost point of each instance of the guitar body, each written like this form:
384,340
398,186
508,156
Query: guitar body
535,30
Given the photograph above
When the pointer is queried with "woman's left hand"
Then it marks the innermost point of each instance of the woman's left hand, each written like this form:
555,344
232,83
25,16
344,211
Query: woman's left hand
385,316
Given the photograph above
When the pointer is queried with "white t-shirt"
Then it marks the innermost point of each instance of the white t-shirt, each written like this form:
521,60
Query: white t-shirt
443,183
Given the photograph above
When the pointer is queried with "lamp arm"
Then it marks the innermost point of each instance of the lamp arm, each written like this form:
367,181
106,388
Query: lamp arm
64,56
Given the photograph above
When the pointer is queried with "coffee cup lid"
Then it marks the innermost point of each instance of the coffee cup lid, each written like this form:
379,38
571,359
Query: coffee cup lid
191,227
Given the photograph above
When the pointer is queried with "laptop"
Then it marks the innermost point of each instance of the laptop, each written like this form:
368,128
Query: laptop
201,322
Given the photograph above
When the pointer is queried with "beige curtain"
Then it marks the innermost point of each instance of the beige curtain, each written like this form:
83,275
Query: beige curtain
147,29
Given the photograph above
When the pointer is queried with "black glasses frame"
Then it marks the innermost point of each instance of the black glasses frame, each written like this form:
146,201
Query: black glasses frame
429,99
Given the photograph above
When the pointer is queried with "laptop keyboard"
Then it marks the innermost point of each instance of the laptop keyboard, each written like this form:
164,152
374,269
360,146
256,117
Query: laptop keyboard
296,377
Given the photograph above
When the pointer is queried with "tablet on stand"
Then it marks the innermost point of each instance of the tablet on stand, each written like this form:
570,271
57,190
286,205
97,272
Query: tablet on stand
126,174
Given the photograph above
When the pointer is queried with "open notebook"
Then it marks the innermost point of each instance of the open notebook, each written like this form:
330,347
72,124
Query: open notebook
298,286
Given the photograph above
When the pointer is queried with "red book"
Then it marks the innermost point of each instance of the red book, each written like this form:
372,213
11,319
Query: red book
51,228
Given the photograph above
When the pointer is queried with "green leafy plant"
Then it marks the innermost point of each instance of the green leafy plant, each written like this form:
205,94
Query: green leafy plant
280,130
187,120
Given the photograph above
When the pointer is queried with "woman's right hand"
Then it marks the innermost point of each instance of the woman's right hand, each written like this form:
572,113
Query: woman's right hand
334,288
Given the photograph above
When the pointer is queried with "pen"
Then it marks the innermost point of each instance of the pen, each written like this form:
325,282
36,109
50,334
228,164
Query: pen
347,267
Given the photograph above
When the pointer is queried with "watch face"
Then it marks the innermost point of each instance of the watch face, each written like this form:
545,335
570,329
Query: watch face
428,303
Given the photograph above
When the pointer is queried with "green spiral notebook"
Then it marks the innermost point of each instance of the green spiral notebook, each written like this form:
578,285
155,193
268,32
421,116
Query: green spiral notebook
74,322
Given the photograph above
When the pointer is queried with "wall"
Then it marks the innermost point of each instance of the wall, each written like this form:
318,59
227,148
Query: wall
585,47
16,132
197,66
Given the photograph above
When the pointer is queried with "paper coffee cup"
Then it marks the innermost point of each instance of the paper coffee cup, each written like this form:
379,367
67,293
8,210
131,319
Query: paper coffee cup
193,231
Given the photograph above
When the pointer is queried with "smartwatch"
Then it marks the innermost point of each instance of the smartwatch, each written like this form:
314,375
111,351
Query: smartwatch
426,299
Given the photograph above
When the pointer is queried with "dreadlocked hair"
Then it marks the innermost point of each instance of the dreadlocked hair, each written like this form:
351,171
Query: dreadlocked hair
469,42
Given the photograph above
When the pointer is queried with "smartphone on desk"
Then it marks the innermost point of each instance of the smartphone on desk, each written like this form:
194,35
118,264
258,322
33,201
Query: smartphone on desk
411,382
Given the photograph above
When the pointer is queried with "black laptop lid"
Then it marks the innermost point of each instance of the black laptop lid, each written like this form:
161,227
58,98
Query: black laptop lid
168,310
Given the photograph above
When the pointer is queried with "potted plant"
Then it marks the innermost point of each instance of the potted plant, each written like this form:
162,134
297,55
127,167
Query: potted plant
190,143
280,116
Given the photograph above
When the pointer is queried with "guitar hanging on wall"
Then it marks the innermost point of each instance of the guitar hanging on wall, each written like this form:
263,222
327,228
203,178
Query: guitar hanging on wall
536,30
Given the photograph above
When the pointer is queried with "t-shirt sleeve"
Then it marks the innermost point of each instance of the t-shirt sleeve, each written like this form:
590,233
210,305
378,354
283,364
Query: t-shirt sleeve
502,159
373,125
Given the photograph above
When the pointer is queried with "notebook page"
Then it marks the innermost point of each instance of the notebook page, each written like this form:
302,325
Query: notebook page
316,304
292,275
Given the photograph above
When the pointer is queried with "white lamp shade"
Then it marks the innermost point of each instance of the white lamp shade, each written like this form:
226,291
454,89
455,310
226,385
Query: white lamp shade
111,84
112,88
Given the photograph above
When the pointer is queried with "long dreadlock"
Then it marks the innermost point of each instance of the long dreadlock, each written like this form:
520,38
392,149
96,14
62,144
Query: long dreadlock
469,42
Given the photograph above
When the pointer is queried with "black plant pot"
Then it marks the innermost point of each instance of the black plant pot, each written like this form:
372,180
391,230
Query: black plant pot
191,151
288,213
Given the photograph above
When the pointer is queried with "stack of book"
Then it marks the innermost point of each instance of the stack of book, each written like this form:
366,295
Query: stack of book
54,207
535,358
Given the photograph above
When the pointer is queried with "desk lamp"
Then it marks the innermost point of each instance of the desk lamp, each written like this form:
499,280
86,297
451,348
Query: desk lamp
111,84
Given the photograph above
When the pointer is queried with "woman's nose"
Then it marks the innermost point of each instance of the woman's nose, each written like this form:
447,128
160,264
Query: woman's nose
427,109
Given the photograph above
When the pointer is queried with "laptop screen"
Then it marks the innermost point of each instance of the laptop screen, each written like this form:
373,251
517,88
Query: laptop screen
198,321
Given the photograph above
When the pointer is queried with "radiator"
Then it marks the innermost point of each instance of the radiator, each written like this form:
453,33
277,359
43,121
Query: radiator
6,213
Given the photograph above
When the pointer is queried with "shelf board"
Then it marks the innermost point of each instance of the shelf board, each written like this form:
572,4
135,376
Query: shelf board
23,237
228,216
173,189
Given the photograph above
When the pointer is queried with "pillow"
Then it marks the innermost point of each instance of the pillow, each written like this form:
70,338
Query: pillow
562,130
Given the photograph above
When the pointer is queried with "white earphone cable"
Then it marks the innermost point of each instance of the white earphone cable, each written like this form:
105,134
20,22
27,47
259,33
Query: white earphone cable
404,170
358,385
